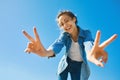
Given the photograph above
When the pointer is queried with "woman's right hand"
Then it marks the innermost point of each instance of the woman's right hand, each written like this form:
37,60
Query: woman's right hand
35,45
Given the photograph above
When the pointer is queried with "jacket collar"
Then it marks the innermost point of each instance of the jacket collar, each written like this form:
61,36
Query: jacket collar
81,32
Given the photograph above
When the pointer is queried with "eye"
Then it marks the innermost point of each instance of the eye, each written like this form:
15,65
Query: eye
61,24
66,20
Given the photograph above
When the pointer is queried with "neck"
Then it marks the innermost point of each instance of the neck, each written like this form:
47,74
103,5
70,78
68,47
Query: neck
74,35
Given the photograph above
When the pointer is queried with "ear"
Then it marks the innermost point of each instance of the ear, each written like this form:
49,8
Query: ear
74,19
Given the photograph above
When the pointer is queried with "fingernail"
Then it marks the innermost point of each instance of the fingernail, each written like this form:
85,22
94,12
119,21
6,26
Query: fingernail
34,27
23,31
28,52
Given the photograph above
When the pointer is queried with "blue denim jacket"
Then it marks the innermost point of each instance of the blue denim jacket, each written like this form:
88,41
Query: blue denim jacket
85,41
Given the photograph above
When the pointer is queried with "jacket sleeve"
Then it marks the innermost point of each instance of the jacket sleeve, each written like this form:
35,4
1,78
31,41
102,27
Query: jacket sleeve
88,42
58,44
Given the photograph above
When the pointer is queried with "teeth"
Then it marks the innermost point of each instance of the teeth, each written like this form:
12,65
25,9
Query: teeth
67,28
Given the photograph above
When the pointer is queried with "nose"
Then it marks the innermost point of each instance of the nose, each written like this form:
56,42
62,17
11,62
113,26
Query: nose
65,25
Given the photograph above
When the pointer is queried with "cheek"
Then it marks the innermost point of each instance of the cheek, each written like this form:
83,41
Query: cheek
71,23
62,29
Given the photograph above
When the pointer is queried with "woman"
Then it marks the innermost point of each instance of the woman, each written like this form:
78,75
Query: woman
79,48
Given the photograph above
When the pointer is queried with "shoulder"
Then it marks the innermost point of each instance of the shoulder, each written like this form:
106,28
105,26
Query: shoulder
87,35
84,32
63,36
87,31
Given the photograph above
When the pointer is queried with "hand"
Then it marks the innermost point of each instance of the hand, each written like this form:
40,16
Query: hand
98,55
35,45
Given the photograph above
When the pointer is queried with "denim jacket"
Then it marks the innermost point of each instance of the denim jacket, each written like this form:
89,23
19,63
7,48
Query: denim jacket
85,41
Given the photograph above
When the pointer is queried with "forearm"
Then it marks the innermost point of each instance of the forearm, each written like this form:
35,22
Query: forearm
89,56
50,53
45,53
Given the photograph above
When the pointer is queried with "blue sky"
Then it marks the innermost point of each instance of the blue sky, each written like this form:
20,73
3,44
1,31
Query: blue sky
16,15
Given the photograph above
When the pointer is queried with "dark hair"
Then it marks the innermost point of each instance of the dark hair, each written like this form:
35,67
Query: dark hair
67,12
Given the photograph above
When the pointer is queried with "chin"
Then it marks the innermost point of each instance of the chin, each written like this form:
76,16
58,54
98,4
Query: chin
71,32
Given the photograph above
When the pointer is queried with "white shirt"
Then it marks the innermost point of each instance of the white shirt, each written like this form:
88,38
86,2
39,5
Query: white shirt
75,52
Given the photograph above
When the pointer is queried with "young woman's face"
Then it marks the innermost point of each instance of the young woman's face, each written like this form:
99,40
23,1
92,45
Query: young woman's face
67,23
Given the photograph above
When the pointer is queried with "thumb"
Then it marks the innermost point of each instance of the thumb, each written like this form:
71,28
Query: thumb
99,63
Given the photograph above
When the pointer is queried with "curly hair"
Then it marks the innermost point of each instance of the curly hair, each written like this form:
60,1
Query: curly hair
67,12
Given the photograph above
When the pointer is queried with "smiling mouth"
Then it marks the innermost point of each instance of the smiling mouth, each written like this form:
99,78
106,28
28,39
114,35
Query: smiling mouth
68,28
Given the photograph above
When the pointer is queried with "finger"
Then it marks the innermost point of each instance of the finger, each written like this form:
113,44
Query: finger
99,63
101,60
105,57
36,34
28,36
37,38
96,42
97,38
108,41
30,45
27,50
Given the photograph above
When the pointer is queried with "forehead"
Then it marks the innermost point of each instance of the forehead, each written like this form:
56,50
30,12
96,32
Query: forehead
63,17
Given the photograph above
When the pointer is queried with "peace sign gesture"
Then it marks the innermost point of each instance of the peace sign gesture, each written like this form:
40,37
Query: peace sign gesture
35,45
97,55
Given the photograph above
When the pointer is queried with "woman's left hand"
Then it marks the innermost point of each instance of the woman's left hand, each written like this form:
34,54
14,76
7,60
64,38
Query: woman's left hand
98,55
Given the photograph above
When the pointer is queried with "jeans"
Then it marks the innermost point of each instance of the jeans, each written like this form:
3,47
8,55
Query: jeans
74,68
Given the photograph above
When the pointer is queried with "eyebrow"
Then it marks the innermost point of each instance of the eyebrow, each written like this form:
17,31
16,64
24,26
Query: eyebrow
66,18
